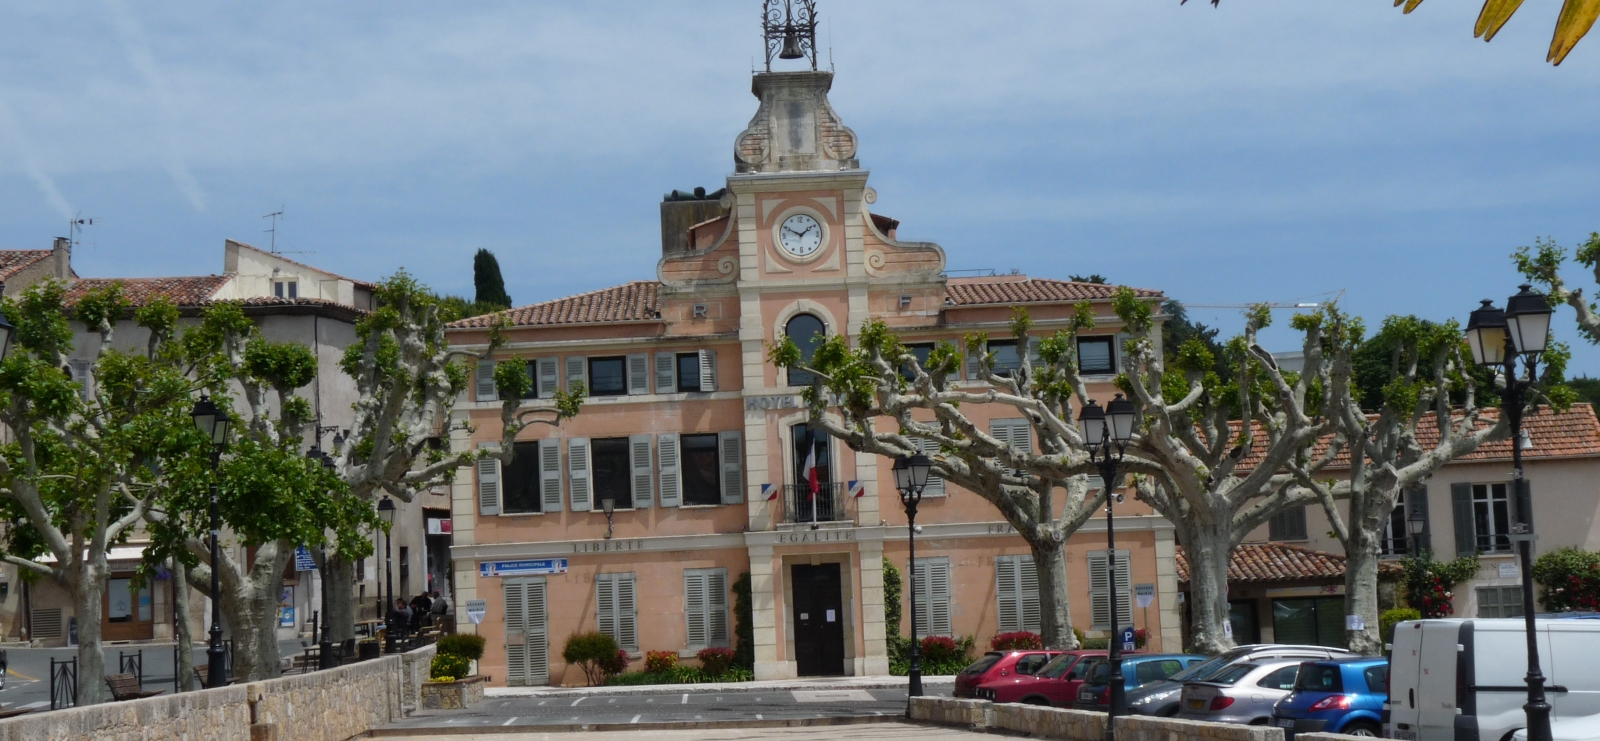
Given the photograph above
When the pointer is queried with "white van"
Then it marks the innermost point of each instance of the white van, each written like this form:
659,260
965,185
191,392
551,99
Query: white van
1463,680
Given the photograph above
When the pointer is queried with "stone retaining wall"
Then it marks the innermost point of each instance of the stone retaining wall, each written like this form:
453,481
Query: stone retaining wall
1325,737
332,705
1080,725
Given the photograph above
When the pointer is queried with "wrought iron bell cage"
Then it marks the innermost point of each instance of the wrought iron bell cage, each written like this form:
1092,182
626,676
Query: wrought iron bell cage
789,30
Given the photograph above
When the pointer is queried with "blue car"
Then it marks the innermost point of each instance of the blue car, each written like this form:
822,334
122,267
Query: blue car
1339,696
1137,669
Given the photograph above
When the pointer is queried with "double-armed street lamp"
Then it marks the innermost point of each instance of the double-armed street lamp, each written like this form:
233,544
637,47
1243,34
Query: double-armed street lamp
213,423
1106,433
911,477
1499,338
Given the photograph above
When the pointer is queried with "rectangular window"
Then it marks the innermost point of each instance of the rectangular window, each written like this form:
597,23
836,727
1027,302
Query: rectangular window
608,376
1095,356
286,289
1396,534
1017,433
1005,355
688,371
1491,518
612,472
932,577
705,607
1017,590
615,609
519,481
1100,590
1499,602
700,469
1289,524
1309,621
921,351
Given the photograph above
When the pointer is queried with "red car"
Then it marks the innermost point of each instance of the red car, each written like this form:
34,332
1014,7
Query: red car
1055,684
998,665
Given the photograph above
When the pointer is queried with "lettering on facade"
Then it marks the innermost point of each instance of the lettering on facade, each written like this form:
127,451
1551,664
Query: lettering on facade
818,536
607,546
1001,528
786,401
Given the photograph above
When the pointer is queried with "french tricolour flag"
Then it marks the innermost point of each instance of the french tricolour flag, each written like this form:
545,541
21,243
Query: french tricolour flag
810,472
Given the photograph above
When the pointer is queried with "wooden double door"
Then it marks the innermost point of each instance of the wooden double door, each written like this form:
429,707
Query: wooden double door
818,620
127,613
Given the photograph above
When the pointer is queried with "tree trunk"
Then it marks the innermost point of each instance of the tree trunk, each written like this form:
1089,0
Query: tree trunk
1055,620
88,594
338,584
1208,550
184,636
252,611
1361,588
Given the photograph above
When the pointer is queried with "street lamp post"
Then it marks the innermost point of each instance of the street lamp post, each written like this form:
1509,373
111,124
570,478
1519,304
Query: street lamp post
1498,338
1415,524
213,423
324,646
911,477
1106,433
386,510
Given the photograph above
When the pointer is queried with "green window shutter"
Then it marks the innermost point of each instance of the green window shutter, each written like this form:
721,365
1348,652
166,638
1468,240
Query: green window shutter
605,605
536,633
1466,529
627,613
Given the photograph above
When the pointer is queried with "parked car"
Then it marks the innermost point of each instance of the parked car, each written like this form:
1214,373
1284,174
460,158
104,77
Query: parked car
999,665
1340,696
1583,728
1241,693
1462,679
1055,684
1161,698
1095,694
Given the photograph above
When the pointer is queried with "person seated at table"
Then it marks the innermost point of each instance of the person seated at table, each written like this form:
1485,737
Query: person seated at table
420,605
441,606
400,616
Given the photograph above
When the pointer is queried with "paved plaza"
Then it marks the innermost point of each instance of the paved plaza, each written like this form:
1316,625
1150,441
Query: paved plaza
858,732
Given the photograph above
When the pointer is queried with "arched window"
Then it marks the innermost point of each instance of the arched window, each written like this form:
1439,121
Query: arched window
807,332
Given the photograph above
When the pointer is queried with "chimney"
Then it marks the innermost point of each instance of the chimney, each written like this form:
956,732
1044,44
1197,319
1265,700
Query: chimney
61,257
683,209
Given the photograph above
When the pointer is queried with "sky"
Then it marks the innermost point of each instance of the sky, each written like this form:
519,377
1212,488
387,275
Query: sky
1281,152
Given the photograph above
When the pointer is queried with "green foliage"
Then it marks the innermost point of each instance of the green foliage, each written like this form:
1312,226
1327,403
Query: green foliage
1391,618
1428,583
680,675
486,280
511,379
453,308
41,321
1586,389
892,606
947,658
1094,278
1569,580
281,365
1394,367
715,661
1177,334
1137,314
448,667
744,624
594,652
656,662
1019,640
461,644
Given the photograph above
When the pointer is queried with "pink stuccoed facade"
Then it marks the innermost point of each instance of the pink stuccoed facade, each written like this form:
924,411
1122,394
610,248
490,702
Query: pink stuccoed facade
700,442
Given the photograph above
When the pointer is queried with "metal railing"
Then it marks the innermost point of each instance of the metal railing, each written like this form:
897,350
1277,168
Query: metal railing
63,683
832,503
132,664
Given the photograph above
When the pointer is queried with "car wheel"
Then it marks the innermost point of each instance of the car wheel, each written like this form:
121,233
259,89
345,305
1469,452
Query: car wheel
1362,728
1171,712
1036,701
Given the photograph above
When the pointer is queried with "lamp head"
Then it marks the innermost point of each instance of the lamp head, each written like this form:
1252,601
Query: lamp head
1528,321
210,420
386,508
608,504
1120,415
1486,335
1417,522
1092,422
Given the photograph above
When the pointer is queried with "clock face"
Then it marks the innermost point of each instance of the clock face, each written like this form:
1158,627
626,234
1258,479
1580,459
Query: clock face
800,235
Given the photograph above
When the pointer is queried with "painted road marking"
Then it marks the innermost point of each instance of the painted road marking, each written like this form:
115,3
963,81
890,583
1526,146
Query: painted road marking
542,702
685,699
509,722
20,675
635,719
575,702
832,696
758,717
32,705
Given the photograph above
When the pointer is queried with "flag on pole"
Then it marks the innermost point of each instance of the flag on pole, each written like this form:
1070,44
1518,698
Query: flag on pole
810,472
857,489
771,490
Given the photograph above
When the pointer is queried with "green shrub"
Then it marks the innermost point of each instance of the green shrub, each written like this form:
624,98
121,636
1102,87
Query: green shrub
1097,642
892,609
1021,640
595,653
1391,618
948,659
715,661
681,675
744,623
469,647
1569,580
660,661
447,667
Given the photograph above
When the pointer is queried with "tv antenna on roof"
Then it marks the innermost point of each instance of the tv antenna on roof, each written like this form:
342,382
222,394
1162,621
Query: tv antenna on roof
75,227
273,230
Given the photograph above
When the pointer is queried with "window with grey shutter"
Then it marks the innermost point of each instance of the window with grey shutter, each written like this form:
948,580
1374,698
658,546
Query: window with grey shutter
666,373
486,390
547,376
578,473
974,357
550,474
671,477
705,607
932,577
527,643
708,370
488,485
1017,433
638,374
930,448
1100,591
615,609
644,480
1017,593
1461,511
85,379
1289,524
731,452
577,372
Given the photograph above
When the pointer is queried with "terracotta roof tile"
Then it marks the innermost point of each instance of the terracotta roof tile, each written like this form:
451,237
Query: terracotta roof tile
1011,290
13,261
1274,562
183,291
632,302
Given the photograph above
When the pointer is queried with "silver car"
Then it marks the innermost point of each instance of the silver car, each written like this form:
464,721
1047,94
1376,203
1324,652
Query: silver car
1242,693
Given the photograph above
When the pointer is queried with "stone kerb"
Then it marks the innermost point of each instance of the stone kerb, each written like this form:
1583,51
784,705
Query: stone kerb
1048,722
1140,728
949,711
331,705
1325,737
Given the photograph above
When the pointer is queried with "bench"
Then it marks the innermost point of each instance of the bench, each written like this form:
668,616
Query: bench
14,712
126,687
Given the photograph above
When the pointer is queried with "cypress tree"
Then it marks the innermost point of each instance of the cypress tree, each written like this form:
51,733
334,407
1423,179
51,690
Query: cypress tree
491,288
